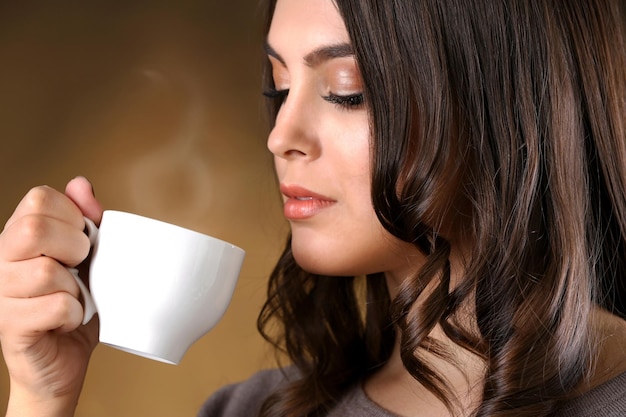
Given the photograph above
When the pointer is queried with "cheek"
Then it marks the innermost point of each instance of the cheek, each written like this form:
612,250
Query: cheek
352,159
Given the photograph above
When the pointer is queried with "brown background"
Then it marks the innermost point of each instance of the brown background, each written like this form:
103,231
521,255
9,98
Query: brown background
158,104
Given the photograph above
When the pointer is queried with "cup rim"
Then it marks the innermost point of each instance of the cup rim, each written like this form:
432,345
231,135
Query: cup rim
171,225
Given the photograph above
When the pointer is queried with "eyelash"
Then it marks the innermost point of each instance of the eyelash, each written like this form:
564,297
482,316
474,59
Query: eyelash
351,101
272,93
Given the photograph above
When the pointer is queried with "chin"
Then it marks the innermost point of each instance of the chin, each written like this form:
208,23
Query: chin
327,264
313,264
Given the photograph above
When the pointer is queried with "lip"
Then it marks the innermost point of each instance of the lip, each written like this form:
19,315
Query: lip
302,203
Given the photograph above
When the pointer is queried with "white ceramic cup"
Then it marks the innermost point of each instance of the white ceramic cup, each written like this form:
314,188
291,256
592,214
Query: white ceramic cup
157,287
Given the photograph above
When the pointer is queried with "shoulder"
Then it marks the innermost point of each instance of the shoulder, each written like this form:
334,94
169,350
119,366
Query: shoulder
606,400
604,394
245,398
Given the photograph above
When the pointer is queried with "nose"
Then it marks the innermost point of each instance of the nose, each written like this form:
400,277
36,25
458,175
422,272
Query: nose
295,129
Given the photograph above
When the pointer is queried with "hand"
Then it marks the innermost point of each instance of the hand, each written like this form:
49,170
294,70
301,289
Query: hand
45,347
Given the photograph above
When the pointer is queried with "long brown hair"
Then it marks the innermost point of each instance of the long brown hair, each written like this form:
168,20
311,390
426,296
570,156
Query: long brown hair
525,103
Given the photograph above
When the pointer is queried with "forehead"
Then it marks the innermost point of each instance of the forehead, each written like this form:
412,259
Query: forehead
299,26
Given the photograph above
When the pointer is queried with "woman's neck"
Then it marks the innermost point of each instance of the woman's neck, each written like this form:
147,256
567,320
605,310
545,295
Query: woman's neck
393,387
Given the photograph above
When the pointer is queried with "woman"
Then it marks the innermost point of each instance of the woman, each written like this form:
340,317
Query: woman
454,179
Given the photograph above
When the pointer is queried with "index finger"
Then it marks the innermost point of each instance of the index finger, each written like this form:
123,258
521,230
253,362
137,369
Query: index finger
48,202
32,236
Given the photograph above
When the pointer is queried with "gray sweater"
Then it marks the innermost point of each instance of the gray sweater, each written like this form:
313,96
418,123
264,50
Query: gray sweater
244,400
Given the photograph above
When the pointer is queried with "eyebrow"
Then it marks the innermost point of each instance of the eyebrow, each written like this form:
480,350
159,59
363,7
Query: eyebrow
319,55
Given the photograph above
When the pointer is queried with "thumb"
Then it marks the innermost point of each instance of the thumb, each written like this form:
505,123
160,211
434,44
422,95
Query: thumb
80,191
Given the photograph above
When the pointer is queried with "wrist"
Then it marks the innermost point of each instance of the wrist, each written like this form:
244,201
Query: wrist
23,403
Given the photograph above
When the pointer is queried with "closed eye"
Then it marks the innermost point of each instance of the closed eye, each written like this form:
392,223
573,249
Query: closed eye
276,94
350,101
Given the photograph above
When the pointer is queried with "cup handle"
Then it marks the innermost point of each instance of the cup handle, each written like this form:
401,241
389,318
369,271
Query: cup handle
89,307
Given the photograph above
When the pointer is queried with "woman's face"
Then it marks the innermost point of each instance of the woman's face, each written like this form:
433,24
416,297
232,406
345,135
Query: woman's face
321,146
